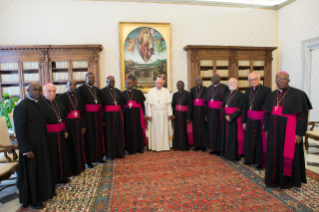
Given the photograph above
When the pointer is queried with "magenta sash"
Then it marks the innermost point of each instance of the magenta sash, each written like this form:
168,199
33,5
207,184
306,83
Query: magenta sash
216,105
259,115
189,127
116,108
290,140
199,102
97,108
74,114
55,127
133,103
240,130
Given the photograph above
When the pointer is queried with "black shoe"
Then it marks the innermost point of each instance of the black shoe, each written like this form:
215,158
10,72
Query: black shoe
287,186
258,167
247,163
203,149
196,149
218,153
212,152
102,161
54,194
141,151
39,205
90,165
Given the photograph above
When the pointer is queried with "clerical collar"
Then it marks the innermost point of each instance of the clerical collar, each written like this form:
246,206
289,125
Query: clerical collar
233,91
254,88
199,88
91,86
129,90
33,99
216,85
181,91
283,89
110,88
71,93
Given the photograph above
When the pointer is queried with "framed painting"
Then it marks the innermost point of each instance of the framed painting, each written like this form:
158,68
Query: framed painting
145,54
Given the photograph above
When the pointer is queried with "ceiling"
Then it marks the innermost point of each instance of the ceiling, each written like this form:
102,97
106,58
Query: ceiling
261,4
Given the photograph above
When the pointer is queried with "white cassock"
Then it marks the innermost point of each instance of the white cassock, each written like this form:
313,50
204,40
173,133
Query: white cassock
160,129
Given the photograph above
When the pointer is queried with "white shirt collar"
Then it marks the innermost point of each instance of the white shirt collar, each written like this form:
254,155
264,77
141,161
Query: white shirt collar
279,90
35,100
216,85
91,86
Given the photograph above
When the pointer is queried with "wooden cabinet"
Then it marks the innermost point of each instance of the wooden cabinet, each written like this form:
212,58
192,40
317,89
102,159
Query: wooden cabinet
229,61
20,65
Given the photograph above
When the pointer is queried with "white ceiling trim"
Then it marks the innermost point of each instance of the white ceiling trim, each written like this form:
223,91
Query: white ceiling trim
257,4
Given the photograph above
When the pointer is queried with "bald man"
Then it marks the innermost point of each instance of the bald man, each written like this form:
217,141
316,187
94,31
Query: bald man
252,119
55,115
159,112
285,124
232,145
199,123
112,102
35,181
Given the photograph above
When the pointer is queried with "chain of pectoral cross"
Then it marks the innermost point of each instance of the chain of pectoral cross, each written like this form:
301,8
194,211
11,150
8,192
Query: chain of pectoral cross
76,101
231,96
113,97
251,101
57,113
93,94
128,96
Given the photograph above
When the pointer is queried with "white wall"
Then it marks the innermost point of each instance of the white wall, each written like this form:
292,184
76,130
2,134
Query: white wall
297,22
95,22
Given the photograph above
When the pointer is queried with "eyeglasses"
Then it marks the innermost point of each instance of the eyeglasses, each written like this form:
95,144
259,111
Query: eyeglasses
251,80
232,83
281,79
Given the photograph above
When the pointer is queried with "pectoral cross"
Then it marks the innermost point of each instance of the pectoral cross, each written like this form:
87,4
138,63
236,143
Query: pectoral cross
60,120
196,100
276,108
115,102
76,114
180,107
250,107
95,101
226,106
212,100
130,104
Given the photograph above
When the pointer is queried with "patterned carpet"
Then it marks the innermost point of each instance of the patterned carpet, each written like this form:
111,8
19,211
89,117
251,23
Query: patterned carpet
179,181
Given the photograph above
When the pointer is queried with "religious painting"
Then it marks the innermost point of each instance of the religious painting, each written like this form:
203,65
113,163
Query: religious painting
145,54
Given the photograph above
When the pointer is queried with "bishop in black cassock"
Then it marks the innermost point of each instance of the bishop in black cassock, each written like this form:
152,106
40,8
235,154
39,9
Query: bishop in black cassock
35,181
286,121
199,123
93,136
232,145
182,110
112,102
252,118
55,114
76,111
213,100
134,121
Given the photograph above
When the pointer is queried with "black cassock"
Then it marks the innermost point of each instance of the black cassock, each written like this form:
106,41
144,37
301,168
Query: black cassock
199,123
74,104
132,121
180,140
214,127
93,143
229,144
59,156
35,182
294,102
254,100
113,129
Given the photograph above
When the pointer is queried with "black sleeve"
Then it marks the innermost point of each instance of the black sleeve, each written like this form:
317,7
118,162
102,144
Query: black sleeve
237,113
20,125
302,123
82,111
143,107
222,107
173,104
244,110
77,91
190,106
266,121
205,99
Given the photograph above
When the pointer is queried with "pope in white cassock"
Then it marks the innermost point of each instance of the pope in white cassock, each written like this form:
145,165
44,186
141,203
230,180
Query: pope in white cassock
159,111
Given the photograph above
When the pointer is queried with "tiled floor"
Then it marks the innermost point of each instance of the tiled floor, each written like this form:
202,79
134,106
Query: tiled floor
14,204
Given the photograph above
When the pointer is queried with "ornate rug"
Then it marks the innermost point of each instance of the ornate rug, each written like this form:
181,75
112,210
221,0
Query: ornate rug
180,181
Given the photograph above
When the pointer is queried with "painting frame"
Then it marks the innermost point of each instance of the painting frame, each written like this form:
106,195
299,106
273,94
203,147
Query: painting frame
150,61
